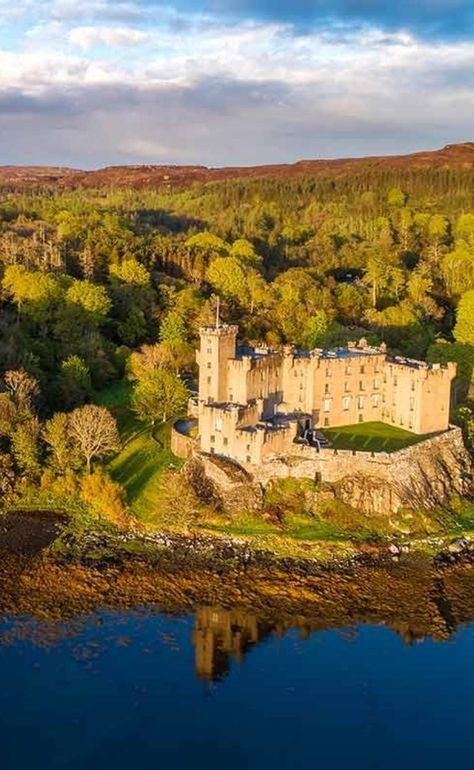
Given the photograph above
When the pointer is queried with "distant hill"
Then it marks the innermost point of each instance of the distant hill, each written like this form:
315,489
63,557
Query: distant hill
453,156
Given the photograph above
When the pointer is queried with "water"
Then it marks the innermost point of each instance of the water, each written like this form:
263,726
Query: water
220,689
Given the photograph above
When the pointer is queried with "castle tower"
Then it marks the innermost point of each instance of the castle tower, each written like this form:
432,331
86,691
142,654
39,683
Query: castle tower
218,346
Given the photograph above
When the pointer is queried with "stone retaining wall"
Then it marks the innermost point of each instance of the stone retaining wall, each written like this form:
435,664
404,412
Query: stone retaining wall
425,475
181,445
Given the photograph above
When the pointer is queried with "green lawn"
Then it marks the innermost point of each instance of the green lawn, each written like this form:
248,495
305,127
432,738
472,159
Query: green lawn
144,456
371,437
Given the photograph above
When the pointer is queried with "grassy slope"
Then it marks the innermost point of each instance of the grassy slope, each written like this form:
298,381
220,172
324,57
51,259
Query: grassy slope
144,456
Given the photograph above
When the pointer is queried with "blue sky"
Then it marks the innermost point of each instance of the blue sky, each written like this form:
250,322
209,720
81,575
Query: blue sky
229,82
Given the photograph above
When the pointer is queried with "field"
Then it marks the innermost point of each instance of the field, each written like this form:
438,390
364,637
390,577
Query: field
371,437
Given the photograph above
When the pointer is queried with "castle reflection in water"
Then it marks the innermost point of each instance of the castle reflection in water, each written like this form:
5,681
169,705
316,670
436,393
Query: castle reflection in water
221,636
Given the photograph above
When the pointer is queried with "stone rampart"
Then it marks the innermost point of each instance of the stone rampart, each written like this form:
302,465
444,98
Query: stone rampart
423,476
181,444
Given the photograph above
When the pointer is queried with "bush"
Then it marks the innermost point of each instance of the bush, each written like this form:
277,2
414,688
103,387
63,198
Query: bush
104,497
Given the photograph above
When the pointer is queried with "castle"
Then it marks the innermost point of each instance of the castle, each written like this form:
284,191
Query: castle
255,404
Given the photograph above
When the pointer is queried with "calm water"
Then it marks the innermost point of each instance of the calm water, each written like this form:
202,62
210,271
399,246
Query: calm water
217,690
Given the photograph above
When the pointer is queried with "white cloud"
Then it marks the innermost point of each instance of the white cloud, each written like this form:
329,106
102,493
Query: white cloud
116,37
203,91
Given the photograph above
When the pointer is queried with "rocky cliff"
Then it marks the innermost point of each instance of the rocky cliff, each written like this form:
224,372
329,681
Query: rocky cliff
426,476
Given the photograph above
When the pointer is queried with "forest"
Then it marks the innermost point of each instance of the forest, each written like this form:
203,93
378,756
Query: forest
103,292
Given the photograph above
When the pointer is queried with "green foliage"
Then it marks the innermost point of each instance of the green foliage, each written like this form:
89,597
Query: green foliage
227,276
74,382
172,328
464,328
91,299
159,395
132,272
63,455
25,448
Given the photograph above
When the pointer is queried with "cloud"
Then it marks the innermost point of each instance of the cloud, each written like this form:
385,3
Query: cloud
87,37
244,83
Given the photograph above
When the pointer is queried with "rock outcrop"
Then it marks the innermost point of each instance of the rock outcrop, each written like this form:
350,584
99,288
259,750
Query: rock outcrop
425,476
224,484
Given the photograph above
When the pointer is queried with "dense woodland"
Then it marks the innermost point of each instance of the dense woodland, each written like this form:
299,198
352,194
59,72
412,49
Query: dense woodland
107,286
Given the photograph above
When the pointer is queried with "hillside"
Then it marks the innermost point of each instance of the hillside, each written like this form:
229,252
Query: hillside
453,156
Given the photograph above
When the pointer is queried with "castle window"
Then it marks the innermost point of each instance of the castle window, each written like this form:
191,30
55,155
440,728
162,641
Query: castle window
326,389
209,380
328,372
209,365
209,351
376,384
347,387
375,400
360,402
226,441
326,422
348,369
327,404
213,439
346,402
218,423
413,385
412,404
395,380
249,459
302,386
361,385
248,447
362,369
361,418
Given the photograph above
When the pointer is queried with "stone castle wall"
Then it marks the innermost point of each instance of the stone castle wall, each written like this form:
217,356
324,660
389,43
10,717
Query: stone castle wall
423,476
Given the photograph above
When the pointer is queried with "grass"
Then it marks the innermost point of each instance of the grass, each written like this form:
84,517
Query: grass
146,453
371,437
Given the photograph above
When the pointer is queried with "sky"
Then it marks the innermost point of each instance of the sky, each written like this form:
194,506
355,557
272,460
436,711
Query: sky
89,83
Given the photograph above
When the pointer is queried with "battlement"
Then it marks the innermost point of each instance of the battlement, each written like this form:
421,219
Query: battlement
222,330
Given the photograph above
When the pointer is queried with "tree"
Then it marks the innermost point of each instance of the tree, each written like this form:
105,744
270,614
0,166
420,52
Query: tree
7,478
25,447
179,503
396,197
94,432
464,328
316,330
245,252
172,328
23,389
458,269
63,453
131,271
104,496
227,276
74,381
207,242
159,395
91,299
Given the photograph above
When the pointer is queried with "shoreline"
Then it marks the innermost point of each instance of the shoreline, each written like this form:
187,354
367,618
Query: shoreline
27,534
